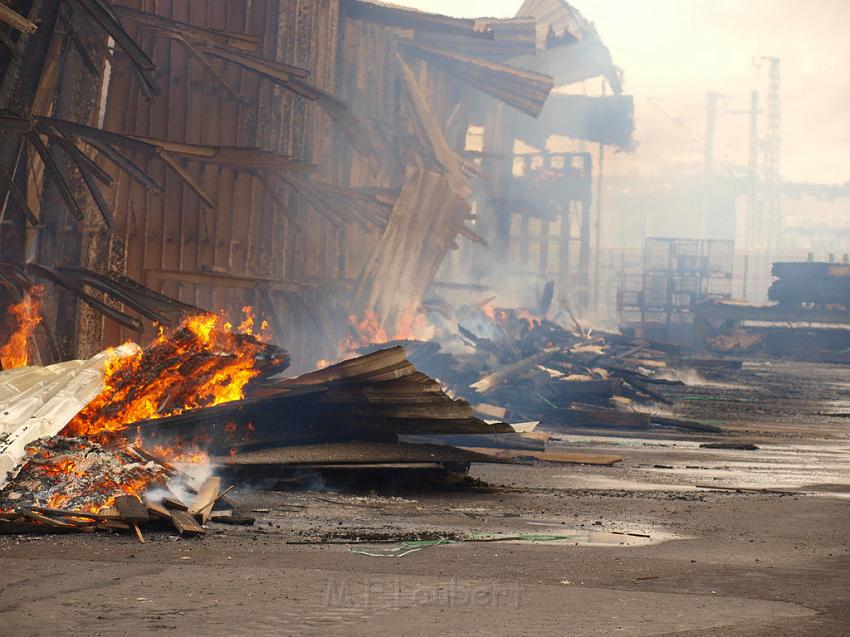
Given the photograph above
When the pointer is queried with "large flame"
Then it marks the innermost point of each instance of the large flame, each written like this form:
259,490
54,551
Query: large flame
199,364
27,313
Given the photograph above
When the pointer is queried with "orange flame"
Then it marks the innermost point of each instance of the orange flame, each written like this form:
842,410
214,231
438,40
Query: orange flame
506,315
177,454
264,334
411,325
70,484
199,364
135,486
27,313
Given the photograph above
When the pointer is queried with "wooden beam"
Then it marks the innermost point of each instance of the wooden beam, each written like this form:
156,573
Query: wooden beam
244,41
227,280
16,20
186,177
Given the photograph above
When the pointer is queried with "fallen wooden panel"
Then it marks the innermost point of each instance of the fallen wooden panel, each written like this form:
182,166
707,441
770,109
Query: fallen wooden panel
354,453
352,368
202,505
185,523
565,457
402,265
173,504
493,380
113,520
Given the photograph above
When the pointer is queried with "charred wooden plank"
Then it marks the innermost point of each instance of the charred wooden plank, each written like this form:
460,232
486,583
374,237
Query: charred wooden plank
49,521
173,504
16,20
233,518
157,510
69,513
131,509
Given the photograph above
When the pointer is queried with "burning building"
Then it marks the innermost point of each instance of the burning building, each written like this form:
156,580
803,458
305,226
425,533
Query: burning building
307,164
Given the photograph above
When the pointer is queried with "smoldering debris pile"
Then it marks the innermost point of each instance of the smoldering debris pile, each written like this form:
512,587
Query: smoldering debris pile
201,395
72,484
76,473
517,367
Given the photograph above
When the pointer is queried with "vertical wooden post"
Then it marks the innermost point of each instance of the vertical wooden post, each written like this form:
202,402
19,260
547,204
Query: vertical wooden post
564,249
584,234
524,222
60,237
544,230
18,89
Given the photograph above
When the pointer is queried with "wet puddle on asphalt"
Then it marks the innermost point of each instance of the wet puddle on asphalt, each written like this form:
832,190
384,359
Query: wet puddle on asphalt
555,533
564,537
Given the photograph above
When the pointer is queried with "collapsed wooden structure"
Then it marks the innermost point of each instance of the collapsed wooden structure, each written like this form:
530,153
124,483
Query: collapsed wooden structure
286,155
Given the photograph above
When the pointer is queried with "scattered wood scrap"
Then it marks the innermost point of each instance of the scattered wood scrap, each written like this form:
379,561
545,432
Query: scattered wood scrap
205,499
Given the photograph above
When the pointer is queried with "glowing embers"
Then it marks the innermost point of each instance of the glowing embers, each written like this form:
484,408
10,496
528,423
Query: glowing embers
78,474
199,364
26,316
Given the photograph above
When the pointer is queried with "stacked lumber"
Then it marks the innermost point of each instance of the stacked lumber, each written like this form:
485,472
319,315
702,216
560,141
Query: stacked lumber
371,412
821,284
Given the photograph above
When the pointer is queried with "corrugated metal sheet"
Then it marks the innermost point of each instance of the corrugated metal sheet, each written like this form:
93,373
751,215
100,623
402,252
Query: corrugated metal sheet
38,402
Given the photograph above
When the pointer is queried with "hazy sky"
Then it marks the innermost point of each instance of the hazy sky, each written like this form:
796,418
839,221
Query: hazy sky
673,51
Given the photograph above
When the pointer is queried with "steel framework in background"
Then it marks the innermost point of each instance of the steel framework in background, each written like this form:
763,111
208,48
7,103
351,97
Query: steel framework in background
678,275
